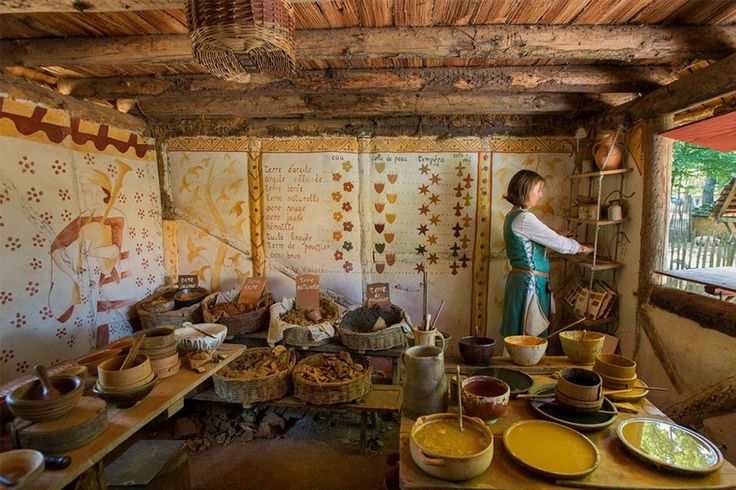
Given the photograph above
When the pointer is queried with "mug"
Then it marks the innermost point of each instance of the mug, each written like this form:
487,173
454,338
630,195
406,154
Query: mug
615,212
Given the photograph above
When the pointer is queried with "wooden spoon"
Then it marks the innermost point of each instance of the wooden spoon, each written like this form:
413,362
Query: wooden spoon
203,331
137,342
47,388
459,399
581,320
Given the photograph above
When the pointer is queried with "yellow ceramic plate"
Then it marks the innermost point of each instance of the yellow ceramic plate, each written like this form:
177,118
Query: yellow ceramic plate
551,449
669,446
632,395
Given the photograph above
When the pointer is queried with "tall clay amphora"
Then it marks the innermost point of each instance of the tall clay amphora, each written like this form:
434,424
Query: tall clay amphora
425,382
604,148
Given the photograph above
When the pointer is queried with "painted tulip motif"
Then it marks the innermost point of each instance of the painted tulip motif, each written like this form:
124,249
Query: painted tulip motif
379,207
392,198
380,166
380,268
379,227
389,237
390,259
379,186
392,178
390,217
380,247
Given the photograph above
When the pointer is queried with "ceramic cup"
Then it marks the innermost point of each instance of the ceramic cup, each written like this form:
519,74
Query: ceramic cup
427,337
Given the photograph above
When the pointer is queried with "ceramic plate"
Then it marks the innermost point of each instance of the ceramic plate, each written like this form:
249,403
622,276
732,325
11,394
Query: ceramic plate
585,421
551,449
518,381
669,446
631,395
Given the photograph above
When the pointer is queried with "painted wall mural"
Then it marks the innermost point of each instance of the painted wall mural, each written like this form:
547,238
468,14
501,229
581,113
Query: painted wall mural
366,210
80,225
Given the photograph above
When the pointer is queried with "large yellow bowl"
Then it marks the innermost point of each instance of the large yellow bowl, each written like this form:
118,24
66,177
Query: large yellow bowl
581,346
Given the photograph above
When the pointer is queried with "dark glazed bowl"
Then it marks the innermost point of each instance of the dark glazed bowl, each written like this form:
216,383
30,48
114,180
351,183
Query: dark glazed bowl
125,399
189,296
476,350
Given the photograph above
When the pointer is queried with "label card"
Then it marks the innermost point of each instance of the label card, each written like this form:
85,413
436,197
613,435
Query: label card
378,294
307,292
188,281
251,291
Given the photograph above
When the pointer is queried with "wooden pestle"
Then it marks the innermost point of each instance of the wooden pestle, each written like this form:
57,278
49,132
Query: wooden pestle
137,342
48,390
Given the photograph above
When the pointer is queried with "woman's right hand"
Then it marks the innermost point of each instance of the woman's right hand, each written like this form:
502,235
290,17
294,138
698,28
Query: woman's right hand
586,249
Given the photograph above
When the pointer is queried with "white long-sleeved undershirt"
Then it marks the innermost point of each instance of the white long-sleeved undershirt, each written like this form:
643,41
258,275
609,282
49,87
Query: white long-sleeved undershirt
527,225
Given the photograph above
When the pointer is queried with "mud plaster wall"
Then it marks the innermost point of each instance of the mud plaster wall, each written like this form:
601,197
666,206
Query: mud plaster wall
357,211
65,286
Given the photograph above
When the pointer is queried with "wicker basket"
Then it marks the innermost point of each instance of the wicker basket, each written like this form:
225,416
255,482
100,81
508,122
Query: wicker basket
172,318
300,336
245,323
355,328
249,391
331,393
234,38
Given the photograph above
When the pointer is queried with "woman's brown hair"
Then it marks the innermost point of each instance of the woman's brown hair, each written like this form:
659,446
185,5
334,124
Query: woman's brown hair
520,187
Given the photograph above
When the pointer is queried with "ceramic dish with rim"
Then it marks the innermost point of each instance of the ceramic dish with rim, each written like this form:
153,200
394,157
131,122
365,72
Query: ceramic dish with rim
633,395
669,446
547,448
518,381
584,421
21,465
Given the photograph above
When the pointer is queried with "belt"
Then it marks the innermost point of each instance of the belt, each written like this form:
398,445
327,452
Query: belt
530,271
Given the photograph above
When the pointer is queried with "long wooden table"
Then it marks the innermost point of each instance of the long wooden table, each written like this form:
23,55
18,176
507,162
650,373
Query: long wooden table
167,396
618,469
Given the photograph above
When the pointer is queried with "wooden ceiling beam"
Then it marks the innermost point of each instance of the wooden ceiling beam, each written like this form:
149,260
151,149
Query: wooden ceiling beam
47,6
657,44
351,105
703,85
587,79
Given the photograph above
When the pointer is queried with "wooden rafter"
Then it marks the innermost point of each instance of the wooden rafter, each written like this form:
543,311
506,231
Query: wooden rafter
501,42
590,79
39,6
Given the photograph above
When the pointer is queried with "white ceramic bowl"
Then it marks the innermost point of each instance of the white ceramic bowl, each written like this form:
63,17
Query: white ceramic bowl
21,465
525,350
189,338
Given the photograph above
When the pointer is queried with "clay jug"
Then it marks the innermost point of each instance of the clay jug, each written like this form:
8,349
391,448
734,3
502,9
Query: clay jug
601,147
425,382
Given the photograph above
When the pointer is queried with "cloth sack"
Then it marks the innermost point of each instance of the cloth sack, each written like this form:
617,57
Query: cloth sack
535,321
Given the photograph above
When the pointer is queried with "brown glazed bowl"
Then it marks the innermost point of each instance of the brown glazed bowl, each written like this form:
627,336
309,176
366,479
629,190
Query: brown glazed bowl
485,397
476,350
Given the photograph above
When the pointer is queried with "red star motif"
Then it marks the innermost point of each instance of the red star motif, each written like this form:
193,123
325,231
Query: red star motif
435,219
423,229
432,240
435,179
424,169
425,189
432,258
419,267
434,199
424,209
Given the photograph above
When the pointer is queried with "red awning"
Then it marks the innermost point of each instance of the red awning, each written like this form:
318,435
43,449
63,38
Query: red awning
717,132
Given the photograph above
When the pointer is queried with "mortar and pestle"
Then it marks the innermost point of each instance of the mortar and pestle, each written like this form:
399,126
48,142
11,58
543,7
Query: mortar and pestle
47,398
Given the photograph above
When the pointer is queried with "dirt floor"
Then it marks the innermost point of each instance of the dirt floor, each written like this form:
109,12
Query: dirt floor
315,450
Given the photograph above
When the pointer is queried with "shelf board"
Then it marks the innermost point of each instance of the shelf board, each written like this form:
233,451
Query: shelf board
600,222
586,175
586,261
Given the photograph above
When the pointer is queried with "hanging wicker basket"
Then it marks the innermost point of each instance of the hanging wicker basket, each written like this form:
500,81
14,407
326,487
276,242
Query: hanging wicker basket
233,38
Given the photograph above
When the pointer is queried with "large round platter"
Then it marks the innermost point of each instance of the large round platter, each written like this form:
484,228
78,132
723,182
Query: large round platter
669,446
518,381
551,450
585,421
633,395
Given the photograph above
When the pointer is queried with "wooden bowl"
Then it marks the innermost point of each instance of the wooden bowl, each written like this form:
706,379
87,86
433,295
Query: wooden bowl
125,399
579,389
91,361
111,377
21,465
615,366
123,343
525,350
27,403
157,338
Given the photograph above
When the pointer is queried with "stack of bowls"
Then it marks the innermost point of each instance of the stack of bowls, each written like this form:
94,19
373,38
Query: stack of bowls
617,372
525,350
159,345
126,387
27,401
579,389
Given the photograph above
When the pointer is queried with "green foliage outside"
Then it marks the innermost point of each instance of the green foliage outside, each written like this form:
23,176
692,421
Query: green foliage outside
700,173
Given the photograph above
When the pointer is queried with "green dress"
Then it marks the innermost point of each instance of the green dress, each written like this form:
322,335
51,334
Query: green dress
523,254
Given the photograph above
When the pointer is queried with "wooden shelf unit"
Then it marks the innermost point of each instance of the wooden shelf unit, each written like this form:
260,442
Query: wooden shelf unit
600,173
600,222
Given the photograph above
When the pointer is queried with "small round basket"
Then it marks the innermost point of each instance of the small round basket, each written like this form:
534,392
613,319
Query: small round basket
243,323
300,335
356,328
329,393
170,318
247,391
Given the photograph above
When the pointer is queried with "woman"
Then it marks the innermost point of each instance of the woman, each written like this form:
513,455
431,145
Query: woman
527,300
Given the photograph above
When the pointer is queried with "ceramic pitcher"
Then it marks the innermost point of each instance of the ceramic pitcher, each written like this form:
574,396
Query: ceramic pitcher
425,382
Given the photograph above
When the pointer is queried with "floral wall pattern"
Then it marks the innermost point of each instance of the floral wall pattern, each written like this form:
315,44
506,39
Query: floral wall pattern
81,235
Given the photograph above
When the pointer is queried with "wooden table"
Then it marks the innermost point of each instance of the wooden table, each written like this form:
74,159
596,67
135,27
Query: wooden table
618,469
167,396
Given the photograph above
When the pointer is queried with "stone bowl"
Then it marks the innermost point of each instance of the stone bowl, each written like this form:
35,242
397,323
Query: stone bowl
525,350
485,397
27,402
476,350
581,346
